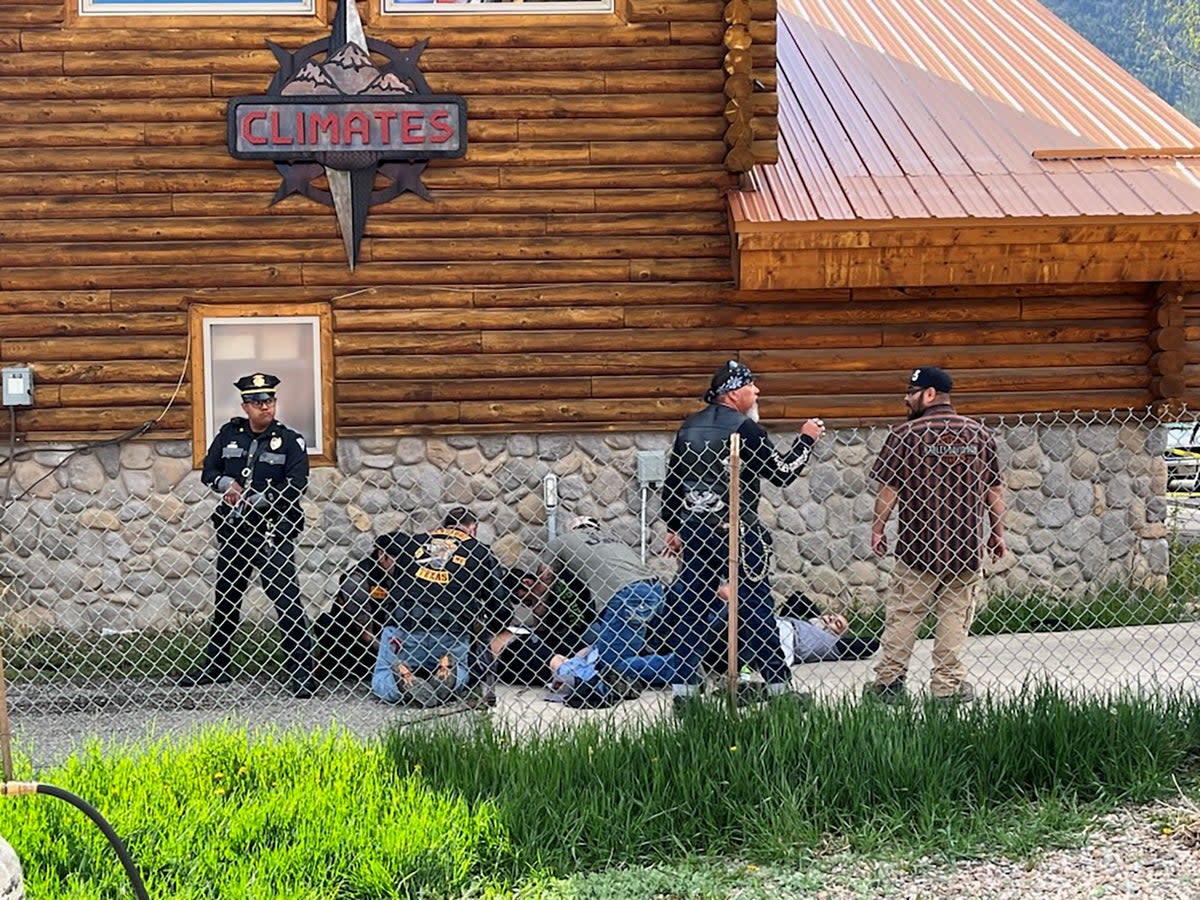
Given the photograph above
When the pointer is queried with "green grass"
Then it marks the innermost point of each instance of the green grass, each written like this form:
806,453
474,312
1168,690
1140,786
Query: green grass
755,804
51,656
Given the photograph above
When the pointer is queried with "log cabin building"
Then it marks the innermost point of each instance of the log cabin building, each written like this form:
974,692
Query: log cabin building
831,192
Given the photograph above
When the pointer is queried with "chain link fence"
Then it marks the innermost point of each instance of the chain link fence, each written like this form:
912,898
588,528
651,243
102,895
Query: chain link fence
533,578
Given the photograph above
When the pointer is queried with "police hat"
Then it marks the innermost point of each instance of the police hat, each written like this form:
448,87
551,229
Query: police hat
258,386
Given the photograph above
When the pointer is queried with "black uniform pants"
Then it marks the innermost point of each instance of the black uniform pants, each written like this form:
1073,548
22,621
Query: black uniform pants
237,556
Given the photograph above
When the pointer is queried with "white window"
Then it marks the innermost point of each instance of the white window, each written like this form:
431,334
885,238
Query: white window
196,7
294,348
525,7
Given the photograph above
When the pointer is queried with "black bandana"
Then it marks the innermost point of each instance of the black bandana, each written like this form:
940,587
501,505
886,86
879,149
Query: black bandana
730,377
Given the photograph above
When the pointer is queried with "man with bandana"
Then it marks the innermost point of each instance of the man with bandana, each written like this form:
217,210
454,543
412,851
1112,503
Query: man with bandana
942,471
695,507
259,466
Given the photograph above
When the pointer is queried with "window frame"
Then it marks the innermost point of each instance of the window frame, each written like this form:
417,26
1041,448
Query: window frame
395,9
157,13
200,319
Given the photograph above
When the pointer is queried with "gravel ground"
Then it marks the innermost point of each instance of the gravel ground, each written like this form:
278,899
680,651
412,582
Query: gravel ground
1145,852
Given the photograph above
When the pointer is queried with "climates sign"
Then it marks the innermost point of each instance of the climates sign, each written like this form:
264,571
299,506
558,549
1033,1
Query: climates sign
344,131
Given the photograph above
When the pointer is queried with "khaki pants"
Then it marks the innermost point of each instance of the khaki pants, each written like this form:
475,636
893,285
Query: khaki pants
952,599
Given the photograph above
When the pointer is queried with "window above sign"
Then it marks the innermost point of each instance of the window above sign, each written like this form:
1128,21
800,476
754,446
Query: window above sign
521,7
197,7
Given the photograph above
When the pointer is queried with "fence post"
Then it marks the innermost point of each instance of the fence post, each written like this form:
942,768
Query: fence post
735,472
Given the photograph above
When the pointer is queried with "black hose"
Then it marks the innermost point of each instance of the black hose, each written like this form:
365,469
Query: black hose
90,811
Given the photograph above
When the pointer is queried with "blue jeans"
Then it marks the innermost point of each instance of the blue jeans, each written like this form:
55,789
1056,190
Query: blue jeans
618,638
693,611
420,651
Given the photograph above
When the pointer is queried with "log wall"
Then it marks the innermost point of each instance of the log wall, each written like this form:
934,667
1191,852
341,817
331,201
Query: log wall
573,272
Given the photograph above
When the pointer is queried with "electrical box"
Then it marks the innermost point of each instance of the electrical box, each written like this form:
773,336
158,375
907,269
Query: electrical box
651,467
17,384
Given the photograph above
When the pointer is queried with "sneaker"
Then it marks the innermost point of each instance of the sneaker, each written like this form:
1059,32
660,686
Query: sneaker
892,692
964,694
199,677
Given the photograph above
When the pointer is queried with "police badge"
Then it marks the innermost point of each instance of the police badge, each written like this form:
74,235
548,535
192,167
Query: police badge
276,442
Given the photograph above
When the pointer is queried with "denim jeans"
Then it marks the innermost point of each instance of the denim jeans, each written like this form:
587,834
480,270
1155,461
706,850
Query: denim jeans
618,638
693,611
420,651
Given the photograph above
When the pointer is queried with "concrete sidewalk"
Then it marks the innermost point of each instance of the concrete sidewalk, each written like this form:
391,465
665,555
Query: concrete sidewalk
1152,657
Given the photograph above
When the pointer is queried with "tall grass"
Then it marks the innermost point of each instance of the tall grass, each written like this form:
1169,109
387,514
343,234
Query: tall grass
1000,775
479,810
231,816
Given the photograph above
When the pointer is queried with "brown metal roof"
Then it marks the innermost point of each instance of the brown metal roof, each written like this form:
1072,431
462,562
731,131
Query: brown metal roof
945,109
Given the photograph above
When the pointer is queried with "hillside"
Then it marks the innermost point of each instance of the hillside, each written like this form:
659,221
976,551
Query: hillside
1136,34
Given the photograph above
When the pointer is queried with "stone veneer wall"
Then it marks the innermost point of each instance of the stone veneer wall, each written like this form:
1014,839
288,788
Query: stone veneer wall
119,537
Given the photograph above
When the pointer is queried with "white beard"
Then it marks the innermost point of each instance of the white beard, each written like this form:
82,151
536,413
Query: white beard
752,415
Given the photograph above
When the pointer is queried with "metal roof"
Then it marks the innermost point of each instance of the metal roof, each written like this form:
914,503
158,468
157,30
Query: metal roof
961,109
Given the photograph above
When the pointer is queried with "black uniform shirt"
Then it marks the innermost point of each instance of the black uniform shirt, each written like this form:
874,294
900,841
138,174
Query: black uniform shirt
272,469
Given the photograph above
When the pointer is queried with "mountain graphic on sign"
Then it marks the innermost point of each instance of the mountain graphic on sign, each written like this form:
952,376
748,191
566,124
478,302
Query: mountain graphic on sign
351,69
388,83
310,80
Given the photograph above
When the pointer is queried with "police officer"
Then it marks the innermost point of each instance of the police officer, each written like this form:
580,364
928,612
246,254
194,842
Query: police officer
259,466
695,507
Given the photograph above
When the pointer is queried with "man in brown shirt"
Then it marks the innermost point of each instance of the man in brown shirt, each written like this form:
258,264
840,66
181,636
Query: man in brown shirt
941,469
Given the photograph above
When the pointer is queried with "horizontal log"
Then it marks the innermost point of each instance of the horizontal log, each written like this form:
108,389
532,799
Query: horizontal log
898,233
643,105
517,365
95,156
610,153
1133,331
446,203
107,372
408,342
646,339
698,128
218,228
19,15
674,10
656,178
853,409
123,395
172,253
27,64
79,112
39,423
514,32
174,297
636,223
84,207
901,359
542,271
88,88
103,277
679,270
557,247
57,349
826,313
79,323
442,389
28,302
375,323
48,184
1065,263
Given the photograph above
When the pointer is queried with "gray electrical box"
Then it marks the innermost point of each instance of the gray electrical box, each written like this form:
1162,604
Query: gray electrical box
17,385
651,467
